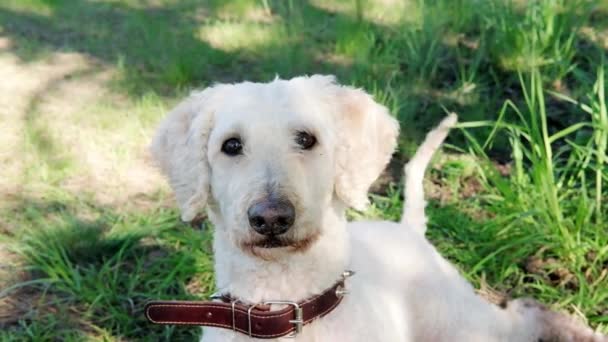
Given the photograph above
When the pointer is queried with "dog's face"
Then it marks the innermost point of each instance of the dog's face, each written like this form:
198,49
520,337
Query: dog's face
271,162
271,159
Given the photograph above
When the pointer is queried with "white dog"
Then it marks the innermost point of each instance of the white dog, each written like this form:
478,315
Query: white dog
276,165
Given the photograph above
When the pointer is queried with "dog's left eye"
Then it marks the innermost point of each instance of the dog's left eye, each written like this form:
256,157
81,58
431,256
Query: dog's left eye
305,141
232,147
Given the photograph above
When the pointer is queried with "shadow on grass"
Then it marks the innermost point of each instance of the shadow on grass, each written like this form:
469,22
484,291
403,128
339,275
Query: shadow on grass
89,270
167,46
160,48
155,47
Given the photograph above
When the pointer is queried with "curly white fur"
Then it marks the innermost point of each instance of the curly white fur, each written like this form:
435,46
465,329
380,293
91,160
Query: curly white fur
403,290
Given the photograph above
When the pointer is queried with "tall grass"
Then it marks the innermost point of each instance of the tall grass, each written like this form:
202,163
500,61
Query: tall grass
557,179
96,274
544,36
548,210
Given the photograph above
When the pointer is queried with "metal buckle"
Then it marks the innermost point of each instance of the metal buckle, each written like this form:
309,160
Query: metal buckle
298,321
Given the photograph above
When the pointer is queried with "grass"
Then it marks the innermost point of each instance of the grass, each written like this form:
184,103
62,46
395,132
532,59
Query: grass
554,194
89,231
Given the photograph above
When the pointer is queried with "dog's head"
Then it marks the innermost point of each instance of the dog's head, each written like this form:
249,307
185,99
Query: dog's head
270,159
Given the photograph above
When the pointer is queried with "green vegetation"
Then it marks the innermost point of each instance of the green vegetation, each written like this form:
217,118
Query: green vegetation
89,231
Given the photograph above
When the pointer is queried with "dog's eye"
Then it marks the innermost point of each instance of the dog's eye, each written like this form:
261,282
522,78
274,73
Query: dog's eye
232,147
305,141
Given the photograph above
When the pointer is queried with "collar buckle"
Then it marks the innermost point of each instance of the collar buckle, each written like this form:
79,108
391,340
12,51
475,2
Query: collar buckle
298,320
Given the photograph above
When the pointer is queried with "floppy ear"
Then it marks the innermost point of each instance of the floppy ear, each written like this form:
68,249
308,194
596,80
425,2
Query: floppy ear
180,150
367,136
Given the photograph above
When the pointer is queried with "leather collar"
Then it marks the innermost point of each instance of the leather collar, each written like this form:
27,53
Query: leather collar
254,320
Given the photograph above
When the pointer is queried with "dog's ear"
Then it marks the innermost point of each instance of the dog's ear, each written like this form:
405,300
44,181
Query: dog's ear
366,138
180,150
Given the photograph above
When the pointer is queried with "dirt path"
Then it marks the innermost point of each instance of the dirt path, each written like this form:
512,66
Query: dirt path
62,127
64,131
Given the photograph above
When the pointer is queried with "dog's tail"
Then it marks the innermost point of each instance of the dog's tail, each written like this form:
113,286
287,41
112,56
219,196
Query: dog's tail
414,216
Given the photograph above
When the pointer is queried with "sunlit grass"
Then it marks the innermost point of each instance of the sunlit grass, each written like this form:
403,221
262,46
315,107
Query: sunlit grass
381,12
235,36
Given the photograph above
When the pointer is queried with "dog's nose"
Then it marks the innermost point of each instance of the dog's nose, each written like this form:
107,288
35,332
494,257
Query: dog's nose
271,216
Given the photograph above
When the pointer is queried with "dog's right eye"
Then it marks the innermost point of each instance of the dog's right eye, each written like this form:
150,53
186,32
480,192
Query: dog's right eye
232,147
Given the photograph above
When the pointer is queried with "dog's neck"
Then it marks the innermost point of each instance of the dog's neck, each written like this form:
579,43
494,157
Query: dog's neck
293,277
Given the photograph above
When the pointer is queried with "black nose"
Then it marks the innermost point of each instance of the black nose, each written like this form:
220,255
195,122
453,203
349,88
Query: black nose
271,216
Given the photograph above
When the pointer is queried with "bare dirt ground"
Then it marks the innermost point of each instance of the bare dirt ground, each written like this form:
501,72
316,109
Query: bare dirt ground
62,125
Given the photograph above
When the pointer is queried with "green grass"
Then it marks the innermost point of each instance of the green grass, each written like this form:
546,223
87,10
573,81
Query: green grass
553,197
89,232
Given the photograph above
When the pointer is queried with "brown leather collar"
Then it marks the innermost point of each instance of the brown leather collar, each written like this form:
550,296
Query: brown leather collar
254,320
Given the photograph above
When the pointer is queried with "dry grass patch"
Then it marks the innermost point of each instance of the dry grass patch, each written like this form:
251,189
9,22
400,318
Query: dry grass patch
63,126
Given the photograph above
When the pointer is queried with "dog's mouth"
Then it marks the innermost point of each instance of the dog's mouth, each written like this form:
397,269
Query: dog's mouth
273,242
